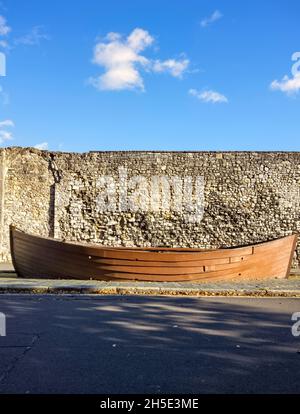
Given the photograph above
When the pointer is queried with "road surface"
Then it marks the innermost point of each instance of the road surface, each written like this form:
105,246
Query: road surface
135,344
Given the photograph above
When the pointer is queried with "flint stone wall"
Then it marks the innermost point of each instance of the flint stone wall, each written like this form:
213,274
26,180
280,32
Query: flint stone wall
248,197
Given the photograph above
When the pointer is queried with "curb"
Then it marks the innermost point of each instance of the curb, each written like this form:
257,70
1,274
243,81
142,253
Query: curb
11,284
149,291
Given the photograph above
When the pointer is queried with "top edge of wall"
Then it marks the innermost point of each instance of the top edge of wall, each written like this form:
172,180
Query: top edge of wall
38,151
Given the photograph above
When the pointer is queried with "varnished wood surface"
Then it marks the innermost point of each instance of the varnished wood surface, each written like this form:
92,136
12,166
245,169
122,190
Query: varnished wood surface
40,257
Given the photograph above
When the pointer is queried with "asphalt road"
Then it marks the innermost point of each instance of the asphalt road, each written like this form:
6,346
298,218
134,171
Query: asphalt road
118,344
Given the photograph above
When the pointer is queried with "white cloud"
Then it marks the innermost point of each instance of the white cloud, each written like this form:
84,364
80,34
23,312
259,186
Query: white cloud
122,61
139,39
287,85
4,28
7,123
217,15
209,96
4,134
42,146
33,38
175,67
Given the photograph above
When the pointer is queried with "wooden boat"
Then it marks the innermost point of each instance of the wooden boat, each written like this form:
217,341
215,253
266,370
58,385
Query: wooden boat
35,256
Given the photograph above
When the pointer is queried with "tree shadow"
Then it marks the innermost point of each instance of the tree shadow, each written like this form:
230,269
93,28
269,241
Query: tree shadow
122,344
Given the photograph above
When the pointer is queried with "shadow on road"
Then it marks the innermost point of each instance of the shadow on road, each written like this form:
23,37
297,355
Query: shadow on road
150,345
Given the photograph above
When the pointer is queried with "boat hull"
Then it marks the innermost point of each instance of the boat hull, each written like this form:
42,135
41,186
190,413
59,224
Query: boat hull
40,257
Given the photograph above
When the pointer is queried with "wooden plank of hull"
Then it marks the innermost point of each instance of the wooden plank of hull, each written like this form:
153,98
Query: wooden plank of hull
35,256
37,253
21,246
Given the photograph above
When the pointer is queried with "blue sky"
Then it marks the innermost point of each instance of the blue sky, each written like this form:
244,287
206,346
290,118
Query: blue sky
150,75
